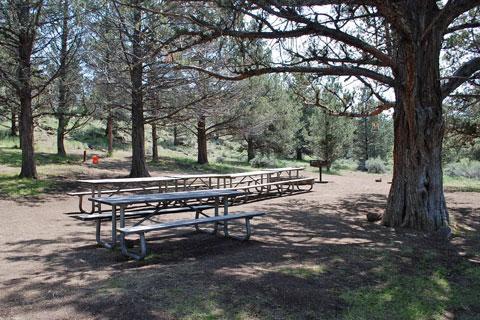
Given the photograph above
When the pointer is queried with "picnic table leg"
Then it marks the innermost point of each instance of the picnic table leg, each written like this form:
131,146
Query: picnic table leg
225,226
247,231
80,203
215,225
123,242
114,231
93,196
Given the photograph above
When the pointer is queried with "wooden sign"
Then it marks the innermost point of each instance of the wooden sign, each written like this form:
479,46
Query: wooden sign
319,163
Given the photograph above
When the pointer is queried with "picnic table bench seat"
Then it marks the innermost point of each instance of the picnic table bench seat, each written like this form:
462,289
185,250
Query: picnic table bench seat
107,216
142,229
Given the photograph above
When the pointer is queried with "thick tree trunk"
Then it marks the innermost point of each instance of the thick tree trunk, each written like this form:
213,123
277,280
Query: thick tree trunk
250,149
13,126
202,142
139,164
154,142
110,133
416,198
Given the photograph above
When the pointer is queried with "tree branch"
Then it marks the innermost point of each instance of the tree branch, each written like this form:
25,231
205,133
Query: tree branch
462,75
327,71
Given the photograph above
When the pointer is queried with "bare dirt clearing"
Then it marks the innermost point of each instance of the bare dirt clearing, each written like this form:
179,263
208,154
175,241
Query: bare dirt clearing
305,256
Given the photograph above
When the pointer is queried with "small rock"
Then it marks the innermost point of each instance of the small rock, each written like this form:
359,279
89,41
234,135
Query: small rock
374,216
378,180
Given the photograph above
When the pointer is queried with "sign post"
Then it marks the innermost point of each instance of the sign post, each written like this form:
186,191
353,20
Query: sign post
319,164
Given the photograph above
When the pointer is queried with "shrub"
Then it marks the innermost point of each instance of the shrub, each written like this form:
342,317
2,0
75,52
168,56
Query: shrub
375,165
344,164
467,169
220,159
263,161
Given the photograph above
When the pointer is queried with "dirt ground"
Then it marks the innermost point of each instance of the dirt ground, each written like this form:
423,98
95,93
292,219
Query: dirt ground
305,251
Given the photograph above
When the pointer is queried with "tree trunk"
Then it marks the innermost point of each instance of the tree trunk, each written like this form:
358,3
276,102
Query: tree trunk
202,142
13,126
299,154
176,142
366,146
24,92
61,135
416,198
250,149
154,142
62,85
110,133
29,168
139,164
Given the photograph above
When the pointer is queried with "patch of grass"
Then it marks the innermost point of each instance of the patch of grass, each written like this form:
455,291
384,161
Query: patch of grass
197,306
345,164
304,272
8,141
325,171
183,164
13,185
13,158
473,272
460,184
430,293
113,286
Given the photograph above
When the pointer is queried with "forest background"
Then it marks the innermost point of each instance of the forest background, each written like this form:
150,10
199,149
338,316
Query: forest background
105,68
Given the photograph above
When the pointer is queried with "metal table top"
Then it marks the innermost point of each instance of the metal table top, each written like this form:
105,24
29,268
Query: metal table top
128,180
173,196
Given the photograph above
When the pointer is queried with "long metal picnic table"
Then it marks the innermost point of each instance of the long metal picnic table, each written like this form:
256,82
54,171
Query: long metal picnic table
262,176
162,201
180,182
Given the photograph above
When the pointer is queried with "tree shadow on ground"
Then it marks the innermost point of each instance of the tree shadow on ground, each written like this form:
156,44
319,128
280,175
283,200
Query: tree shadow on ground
306,260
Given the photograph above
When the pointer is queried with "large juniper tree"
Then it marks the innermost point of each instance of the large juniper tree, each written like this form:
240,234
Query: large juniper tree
391,45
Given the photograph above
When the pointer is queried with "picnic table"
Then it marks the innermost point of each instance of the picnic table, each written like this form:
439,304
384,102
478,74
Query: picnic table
291,172
263,179
256,177
121,185
194,181
167,203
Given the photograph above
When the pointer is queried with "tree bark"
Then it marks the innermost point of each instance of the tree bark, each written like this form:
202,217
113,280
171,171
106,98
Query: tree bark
176,142
139,164
24,92
61,135
110,133
202,142
62,85
416,198
154,142
13,126
250,149
299,154
29,168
